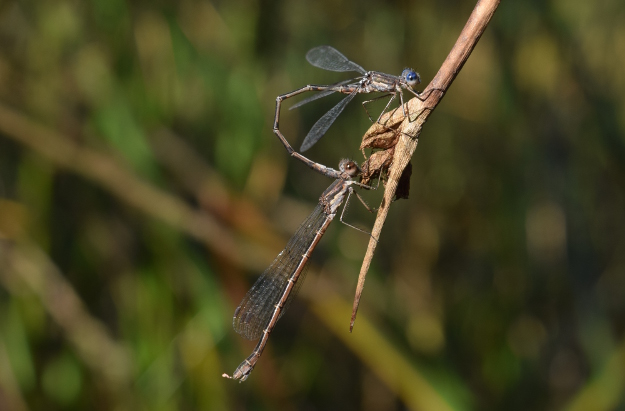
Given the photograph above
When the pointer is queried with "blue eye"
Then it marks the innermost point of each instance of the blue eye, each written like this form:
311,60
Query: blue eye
411,76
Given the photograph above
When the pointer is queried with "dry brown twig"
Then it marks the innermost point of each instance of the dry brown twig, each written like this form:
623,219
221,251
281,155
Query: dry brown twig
406,130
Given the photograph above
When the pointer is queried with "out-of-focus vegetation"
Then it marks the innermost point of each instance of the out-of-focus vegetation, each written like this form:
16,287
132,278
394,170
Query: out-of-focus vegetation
142,191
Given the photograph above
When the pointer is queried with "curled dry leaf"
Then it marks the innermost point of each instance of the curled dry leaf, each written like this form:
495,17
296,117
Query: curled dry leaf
383,134
376,164
383,140
379,136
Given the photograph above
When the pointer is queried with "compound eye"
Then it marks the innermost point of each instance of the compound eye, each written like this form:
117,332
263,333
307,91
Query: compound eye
351,168
412,77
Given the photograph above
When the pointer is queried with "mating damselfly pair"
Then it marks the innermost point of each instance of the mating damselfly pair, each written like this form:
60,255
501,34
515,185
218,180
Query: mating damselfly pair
267,300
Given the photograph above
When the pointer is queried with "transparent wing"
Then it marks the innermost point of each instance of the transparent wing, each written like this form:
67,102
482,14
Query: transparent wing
323,124
329,58
256,309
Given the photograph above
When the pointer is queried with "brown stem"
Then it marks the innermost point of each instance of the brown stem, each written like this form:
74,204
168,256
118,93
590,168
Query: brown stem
411,126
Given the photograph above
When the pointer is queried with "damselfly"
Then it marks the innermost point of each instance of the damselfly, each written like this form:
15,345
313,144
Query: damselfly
267,300
328,58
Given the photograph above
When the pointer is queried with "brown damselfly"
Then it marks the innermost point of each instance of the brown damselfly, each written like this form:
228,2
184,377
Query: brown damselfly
267,300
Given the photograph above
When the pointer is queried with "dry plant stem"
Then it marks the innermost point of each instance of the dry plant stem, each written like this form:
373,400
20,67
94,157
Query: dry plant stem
411,126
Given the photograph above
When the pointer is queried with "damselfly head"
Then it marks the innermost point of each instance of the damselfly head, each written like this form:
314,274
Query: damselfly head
350,167
411,77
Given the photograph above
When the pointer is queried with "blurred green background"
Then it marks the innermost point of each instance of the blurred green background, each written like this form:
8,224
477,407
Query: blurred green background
142,191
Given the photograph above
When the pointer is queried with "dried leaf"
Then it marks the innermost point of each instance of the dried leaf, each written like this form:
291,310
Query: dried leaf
383,134
376,164
384,140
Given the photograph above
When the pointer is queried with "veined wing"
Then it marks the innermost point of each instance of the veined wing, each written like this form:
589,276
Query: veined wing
329,58
323,124
257,307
